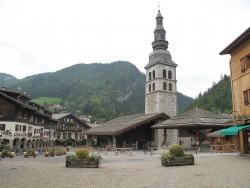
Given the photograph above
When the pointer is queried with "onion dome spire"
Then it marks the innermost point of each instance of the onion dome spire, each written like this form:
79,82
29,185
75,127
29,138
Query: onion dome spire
159,34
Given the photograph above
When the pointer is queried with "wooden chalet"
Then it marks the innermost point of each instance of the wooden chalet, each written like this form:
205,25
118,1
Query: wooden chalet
239,51
226,140
128,131
70,130
193,126
24,123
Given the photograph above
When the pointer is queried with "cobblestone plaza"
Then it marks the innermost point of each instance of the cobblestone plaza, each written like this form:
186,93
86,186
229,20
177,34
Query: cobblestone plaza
139,170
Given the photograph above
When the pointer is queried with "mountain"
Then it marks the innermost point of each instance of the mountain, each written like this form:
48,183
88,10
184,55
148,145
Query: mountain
6,79
217,99
101,90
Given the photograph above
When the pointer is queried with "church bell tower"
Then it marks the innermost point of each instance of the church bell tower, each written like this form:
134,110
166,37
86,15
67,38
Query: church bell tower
161,90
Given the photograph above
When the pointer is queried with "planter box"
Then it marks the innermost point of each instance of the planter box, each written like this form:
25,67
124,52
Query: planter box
84,163
177,161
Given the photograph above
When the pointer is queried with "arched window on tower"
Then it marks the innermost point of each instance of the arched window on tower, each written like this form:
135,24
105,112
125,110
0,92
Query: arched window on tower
149,88
164,86
153,86
153,74
170,87
149,75
164,73
169,74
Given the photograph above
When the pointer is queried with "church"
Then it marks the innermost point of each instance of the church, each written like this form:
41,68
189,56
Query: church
160,104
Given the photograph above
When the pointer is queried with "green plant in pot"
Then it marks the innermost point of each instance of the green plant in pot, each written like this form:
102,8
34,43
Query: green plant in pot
176,156
83,159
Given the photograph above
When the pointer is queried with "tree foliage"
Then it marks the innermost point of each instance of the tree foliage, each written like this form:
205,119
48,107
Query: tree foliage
101,90
217,99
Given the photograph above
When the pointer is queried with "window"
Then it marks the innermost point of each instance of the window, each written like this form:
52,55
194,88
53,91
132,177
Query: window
2,127
64,135
76,135
245,63
164,73
18,128
69,135
24,128
153,74
149,88
169,74
170,87
153,86
164,86
58,135
149,75
246,95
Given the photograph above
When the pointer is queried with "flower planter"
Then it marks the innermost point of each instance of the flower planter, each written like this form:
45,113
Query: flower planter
83,163
7,153
177,161
30,153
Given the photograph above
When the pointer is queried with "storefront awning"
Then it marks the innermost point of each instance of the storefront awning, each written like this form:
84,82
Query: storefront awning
233,130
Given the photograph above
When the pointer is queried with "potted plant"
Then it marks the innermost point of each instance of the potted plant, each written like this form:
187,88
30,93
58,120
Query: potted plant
7,153
49,152
176,156
30,152
82,159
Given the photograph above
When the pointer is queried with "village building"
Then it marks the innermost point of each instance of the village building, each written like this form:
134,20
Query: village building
160,103
128,131
239,51
24,123
193,126
70,130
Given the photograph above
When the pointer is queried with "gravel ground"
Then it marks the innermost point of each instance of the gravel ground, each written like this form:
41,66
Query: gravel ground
123,171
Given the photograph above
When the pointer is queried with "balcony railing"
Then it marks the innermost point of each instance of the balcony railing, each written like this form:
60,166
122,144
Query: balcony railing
69,129
20,120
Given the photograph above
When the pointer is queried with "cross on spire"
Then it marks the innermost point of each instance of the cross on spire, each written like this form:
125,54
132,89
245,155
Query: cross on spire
159,6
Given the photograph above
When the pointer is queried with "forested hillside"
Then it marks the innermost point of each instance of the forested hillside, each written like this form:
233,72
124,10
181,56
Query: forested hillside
6,79
101,90
217,99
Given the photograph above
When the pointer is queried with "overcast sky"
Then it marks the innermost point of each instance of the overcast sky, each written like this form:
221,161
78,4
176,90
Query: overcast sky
38,36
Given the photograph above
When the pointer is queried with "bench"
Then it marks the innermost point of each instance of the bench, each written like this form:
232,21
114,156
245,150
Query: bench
123,151
151,150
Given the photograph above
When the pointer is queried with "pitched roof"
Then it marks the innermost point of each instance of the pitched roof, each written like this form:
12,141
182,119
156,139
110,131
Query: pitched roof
239,41
125,123
27,106
194,118
64,115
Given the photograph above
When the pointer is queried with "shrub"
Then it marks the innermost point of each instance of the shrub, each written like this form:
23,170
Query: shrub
70,160
5,153
30,152
95,158
82,153
165,157
59,151
5,146
176,150
51,152
190,155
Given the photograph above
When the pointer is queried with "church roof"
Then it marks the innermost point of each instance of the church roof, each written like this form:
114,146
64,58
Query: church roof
122,124
194,118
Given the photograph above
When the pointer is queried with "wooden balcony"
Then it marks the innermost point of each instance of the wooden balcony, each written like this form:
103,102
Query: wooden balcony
69,129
